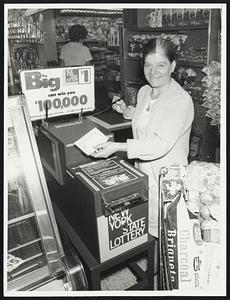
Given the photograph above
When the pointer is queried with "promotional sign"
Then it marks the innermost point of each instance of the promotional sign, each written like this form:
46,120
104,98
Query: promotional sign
127,225
108,173
122,231
58,91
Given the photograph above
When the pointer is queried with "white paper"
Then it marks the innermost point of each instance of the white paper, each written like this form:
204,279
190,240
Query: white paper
87,142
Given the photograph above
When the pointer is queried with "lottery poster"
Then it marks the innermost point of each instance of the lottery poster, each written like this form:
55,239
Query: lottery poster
58,91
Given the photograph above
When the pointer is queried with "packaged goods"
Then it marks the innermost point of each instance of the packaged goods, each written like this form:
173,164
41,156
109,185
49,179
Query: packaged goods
154,18
203,180
190,226
184,246
167,17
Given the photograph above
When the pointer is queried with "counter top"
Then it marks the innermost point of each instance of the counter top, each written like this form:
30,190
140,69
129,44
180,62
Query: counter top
110,120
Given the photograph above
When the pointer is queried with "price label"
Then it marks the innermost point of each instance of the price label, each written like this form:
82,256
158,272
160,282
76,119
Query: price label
58,91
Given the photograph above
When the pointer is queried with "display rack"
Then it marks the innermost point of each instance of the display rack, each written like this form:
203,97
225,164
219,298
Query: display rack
194,53
179,213
24,37
35,255
28,248
23,28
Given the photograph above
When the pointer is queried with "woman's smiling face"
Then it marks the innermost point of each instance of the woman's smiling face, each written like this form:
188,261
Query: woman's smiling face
158,69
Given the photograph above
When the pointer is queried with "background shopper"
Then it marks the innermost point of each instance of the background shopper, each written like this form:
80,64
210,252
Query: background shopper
75,53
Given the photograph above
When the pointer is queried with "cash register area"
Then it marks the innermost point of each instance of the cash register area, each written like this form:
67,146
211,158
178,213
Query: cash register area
75,223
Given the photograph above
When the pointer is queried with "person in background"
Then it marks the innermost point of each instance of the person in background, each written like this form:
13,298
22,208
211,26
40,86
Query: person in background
161,121
74,53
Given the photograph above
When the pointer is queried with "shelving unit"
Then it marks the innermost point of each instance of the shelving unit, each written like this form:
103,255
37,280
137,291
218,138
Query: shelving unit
193,55
24,37
30,219
34,251
103,42
134,38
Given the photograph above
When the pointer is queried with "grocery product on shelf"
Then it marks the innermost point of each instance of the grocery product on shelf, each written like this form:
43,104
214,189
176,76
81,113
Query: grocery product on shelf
136,41
190,226
25,29
99,28
103,41
184,17
203,182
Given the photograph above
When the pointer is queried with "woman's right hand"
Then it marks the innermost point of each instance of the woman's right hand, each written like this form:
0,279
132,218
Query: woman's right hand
120,106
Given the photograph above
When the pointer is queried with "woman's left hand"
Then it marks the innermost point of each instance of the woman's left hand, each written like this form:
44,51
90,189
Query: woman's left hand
105,149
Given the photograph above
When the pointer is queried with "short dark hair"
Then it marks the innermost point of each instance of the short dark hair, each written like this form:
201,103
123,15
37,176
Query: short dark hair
166,45
77,32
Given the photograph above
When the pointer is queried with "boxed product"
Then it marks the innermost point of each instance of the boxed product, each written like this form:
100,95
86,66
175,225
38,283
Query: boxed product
190,226
203,186
167,17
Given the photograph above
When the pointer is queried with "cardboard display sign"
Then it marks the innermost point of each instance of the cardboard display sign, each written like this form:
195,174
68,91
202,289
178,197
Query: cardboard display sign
58,91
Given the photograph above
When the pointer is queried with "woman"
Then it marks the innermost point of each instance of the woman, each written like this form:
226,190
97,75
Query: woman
161,122
75,53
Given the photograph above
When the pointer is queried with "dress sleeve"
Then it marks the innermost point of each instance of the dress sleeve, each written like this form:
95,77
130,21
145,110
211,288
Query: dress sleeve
175,120
87,54
61,56
129,112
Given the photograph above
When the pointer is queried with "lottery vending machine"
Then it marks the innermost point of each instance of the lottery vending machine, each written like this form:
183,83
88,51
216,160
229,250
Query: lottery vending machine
106,202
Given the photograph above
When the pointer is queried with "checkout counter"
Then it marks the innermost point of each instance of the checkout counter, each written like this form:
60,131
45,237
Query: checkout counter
102,204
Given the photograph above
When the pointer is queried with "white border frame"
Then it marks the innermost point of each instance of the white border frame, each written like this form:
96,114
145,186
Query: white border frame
221,6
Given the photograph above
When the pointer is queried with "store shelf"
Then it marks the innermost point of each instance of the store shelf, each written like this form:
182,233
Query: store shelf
114,48
113,66
99,62
180,62
136,58
23,268
24,42
191,55
172,28
191,64
85,41
33,240
97,50
22,218
112,81
24,245
62,41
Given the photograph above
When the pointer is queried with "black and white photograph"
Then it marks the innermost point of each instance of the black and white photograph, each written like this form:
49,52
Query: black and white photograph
114,149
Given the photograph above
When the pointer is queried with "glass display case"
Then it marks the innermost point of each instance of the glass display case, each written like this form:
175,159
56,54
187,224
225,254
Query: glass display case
35,255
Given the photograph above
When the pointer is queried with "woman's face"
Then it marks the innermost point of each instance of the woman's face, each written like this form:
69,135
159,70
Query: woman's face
158,69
